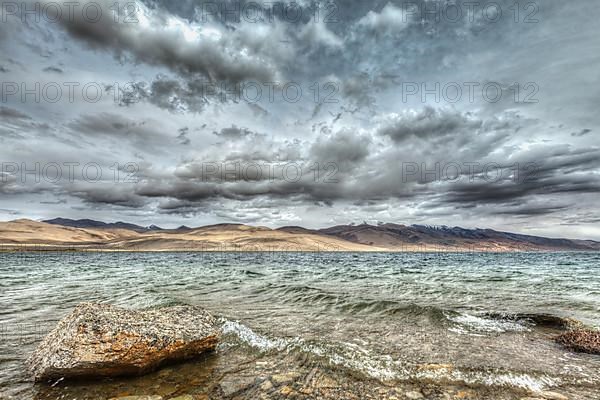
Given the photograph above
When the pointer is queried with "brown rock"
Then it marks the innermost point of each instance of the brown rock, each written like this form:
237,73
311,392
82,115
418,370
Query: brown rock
325,382
266,386
553,396
286,390
98,340
414,395
581,340
279,379
233,384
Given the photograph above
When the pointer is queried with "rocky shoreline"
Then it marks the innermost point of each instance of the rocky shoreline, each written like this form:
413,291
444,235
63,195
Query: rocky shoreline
99,341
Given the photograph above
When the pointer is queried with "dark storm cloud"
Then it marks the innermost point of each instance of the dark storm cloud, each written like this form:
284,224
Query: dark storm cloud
156,40
429,123
585,217
556,182
106,124
529,210
582,132
190,191
17,125
234,133
182,137
362,171
257,110
145,134
105,193
345,149
12,114
53,69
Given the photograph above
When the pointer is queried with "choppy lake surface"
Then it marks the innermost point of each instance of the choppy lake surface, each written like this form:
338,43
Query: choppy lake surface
440,323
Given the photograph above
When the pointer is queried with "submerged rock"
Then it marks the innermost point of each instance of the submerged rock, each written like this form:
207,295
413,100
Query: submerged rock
581,340
542,320
99,340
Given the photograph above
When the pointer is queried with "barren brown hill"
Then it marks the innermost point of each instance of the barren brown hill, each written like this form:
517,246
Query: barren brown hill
24,234
226,237
25,231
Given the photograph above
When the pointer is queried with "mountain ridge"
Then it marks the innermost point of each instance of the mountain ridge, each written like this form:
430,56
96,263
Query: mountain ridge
90,223
97,235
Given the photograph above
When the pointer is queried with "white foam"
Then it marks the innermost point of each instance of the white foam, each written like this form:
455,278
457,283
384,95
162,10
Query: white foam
383,367
467,323
253,339
497,378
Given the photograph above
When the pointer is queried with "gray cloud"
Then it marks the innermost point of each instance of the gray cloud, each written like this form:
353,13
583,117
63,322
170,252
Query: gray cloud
233,133
53,69
156,40
345,149
429,123
12,114
103,194
582,132
145,134
182,137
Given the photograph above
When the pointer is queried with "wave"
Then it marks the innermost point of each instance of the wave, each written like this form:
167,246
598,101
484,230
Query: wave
357,359
457,321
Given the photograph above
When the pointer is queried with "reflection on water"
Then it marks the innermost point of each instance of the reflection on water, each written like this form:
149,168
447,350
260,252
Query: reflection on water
370,322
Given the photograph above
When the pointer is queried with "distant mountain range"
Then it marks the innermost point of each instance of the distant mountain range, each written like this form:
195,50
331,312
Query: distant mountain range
394,236
87,234
90,223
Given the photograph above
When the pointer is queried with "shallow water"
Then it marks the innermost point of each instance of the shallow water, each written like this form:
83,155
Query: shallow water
379,320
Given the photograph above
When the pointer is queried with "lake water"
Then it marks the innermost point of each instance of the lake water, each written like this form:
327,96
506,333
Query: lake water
441,324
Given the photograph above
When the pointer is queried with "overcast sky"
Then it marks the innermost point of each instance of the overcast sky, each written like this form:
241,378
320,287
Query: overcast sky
195,112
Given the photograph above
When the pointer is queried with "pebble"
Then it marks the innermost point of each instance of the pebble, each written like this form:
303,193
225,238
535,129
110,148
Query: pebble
233,384
552,396
266,386
325,381
283,378
465,394
414,395
286,390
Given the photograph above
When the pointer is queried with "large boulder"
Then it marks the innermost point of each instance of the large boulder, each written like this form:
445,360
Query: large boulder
100,340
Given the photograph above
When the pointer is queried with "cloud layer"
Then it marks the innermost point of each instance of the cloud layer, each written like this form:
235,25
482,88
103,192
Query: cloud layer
303,113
